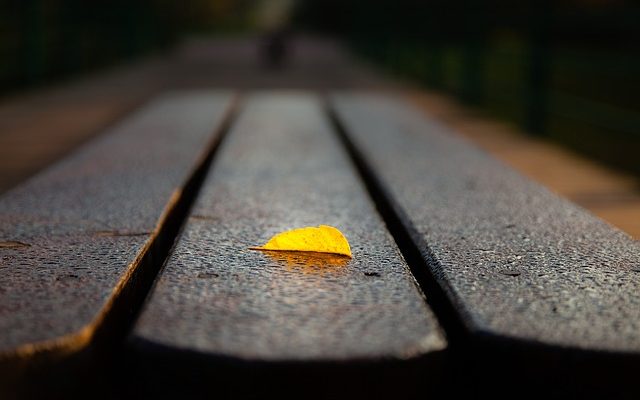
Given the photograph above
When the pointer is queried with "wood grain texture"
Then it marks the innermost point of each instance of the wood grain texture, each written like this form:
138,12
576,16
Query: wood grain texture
76,230
282,167
518,263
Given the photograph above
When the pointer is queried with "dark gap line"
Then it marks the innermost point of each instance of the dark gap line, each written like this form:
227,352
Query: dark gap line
423,267
475,358
100,367
119,319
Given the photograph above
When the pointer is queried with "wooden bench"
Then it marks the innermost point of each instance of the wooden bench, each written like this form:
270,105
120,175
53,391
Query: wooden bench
125,269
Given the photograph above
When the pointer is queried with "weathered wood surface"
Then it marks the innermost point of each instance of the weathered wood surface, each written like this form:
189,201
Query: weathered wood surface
516,261
282,167
71,236
510,263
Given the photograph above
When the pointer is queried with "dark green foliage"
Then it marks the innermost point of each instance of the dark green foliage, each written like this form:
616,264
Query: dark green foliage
41,40
566,69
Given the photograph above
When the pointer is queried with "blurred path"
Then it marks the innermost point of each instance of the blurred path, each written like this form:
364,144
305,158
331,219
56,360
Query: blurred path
40,127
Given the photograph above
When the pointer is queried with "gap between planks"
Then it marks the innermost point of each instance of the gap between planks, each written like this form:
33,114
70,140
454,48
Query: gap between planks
422,266
117,316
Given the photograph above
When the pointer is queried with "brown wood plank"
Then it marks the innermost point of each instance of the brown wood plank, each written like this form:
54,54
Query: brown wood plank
280,168
556,274
72,235
534,288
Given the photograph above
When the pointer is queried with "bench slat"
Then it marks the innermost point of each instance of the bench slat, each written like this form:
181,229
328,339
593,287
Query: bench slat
70,234
281,167
516,261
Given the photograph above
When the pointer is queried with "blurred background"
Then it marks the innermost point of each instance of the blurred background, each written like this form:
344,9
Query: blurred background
560,74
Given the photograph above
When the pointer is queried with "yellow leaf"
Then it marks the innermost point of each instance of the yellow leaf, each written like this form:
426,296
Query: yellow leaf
321,239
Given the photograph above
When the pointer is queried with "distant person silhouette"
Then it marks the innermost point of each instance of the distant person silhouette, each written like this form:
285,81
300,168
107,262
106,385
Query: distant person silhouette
275,49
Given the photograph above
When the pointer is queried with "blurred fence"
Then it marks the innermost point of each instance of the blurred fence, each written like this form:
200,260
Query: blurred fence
566,69
41,40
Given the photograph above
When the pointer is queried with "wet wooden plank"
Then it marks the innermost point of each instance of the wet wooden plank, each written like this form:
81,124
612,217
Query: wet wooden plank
282,167
518,264
71,236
